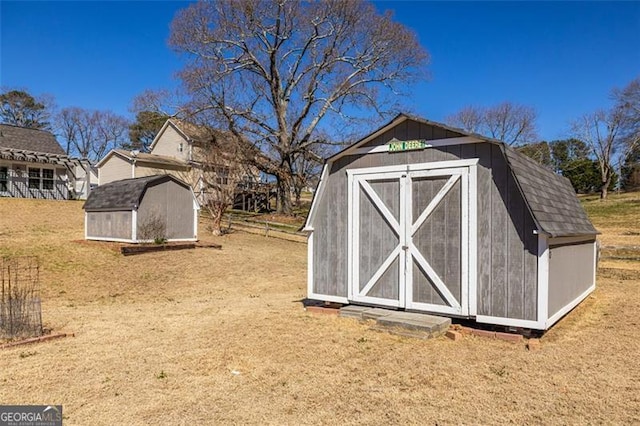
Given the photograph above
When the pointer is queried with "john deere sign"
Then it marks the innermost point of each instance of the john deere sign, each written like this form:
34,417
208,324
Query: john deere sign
396,146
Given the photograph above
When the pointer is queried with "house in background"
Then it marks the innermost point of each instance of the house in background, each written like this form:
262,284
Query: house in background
172,152
120,164
177,150
86,178
34,165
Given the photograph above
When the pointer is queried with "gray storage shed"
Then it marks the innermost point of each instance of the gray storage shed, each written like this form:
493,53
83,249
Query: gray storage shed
141,209
422,216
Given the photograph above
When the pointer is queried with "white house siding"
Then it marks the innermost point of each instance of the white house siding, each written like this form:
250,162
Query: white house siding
17,182
172,144
115,168
83,183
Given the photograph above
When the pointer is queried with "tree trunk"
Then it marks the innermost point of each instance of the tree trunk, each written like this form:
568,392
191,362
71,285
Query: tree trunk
284,195
217,212
297,190
604,190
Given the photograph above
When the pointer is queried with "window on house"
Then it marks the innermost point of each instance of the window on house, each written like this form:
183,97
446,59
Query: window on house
222,175
40,178
180,147
34,178
47,179
4,179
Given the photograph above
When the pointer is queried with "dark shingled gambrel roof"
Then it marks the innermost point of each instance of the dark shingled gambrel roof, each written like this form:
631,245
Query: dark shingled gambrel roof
551,197
35,140
124,194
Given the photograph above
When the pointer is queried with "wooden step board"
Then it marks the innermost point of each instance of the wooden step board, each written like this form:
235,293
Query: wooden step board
408,324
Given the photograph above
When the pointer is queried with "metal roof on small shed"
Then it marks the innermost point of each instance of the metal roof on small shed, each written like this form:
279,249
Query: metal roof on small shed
550,197
124,194
25,139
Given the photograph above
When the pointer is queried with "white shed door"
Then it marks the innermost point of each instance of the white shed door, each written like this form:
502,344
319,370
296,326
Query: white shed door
409,239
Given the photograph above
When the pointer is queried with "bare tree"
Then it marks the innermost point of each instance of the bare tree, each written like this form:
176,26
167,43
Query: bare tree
469,119
162,102
67,127
602,131
628,99
91,134
611,135
628,102
111,132
222,171
307,168
507,122
273,71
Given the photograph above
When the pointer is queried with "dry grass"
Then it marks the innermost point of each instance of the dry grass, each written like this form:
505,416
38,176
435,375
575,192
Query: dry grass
208,336
617,217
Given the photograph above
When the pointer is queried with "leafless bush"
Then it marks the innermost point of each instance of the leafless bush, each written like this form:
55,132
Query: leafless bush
153,228
20,311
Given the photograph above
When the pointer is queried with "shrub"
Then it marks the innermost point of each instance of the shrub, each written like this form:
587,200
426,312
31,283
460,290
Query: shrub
153,228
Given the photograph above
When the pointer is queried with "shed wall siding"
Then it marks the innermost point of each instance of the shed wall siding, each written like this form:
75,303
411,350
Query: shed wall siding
173,205
169,144
570,273
116,168
507,247
109,225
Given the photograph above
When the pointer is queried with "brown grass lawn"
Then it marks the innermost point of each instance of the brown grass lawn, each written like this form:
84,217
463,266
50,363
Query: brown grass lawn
207,336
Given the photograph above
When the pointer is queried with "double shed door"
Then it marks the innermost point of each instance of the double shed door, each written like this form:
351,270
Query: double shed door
409,244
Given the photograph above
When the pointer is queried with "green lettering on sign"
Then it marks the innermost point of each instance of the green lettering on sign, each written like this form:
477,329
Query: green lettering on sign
397,146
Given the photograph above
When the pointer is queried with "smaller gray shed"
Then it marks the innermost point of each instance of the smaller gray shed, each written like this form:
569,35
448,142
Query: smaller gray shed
141,210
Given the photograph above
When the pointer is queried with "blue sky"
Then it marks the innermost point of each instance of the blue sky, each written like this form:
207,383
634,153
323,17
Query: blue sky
563,59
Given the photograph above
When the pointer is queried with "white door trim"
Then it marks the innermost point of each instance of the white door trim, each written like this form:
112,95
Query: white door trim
355,182
455,307
452,164
464,170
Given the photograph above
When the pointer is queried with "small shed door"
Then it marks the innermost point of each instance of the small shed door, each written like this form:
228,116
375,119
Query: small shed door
409,239
378,239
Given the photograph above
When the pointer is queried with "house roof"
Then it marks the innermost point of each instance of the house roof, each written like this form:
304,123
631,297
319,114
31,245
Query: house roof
159,160
193,131
125,194
189,131
40,157
33,140
550,198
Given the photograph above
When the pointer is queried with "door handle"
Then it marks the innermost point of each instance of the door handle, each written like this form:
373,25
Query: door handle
405,248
